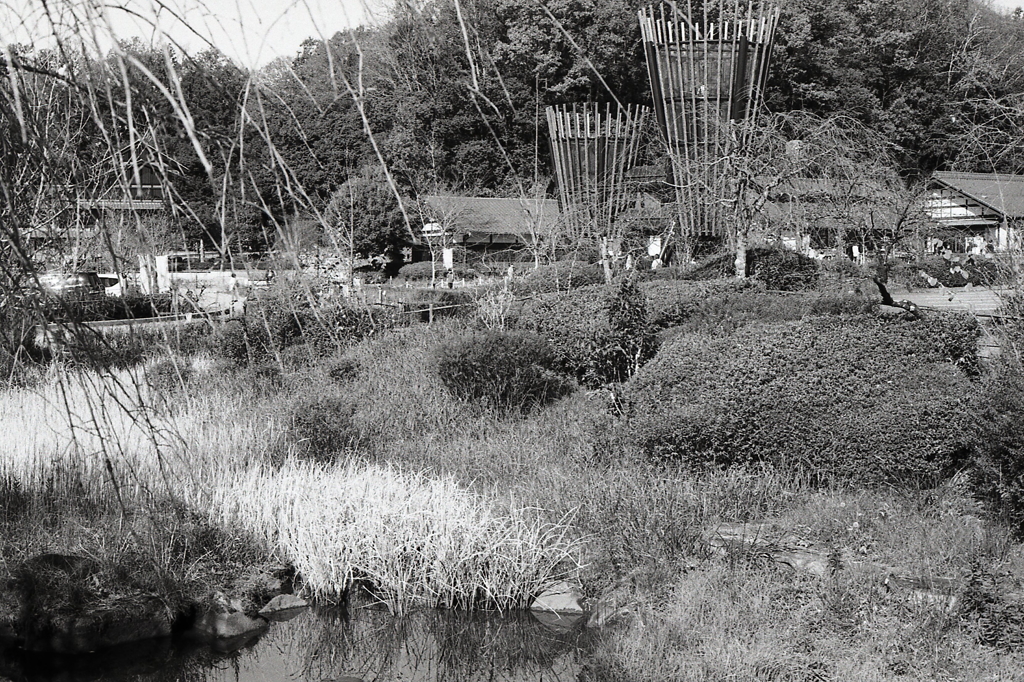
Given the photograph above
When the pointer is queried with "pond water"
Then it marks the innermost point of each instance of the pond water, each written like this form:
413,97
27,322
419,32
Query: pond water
360,645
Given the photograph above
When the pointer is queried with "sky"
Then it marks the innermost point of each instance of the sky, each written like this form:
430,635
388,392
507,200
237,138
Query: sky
252,32
1007,4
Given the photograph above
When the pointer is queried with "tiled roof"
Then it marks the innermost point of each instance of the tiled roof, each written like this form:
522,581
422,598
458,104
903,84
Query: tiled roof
490,216
1001,192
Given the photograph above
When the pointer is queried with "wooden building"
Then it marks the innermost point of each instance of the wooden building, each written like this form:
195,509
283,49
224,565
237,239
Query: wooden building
976,210
490,228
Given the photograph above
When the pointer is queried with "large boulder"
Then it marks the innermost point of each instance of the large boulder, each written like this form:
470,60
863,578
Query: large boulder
126,620
214,624
283,607
562,598
70,605
769,541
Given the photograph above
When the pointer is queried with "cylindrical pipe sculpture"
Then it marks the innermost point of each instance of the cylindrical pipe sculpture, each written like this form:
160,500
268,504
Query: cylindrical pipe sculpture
592,146
707,71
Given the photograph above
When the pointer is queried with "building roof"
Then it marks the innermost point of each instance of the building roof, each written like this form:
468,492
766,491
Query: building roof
1001,192
486,217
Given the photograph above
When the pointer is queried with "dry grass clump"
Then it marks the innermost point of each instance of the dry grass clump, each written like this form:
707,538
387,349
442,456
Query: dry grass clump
747,618
410,538
749,622
103,431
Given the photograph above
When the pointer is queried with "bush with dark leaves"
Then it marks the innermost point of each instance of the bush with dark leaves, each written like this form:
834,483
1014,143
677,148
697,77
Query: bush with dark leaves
506,371
559,276
777,268
422,271
599,334
999,474
321,426
782,270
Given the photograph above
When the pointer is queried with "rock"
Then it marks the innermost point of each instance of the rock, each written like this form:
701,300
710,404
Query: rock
767,540
562,598
226,625
813,562
943,593
557,622
615,606
282,603
129,621
66,604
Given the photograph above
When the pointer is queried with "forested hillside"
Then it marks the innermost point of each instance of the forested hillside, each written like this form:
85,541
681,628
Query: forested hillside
450,97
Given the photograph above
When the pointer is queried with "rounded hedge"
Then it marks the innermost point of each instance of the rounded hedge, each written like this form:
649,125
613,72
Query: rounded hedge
599,334
558,276
778,268
999,475
850,398
418,272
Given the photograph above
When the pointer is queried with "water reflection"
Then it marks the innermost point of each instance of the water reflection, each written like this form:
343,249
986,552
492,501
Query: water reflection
332,644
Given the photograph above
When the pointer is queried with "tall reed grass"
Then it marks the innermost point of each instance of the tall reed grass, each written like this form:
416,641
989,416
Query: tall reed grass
413,540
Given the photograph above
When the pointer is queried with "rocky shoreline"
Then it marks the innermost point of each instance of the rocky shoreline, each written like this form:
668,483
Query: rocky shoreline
64,604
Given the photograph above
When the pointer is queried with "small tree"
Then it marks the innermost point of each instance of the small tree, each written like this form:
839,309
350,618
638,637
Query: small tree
858,187
364,219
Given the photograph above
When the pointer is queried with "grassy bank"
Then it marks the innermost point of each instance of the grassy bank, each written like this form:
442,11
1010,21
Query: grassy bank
355,463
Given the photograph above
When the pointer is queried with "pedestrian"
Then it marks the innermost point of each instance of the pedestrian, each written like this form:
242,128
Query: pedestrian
233,292
450,278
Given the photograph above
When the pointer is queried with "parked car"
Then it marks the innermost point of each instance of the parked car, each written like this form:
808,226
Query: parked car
76,284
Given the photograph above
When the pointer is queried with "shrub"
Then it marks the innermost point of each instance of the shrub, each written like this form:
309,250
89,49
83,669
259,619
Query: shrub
781,269
725,305
328,329
631,329
444,302
715,266
242,343
999,474
559,276
672,303
169,375
851,398
507,371
95,308
321,426
343,370
277,323
587,342
415,272
847,303
418,272
298,357
952,270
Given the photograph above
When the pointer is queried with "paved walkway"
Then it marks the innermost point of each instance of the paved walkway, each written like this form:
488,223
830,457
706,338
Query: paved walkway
977,300
981,301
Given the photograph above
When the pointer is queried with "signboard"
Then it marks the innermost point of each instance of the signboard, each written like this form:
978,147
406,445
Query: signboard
654,247
449,258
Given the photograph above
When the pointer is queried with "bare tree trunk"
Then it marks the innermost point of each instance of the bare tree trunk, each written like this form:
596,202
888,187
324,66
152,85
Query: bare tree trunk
741,254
